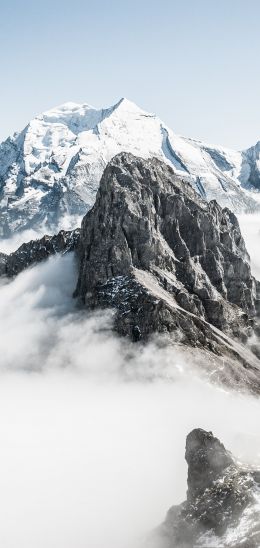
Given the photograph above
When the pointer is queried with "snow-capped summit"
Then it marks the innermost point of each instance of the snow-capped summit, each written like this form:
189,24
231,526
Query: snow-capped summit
50,171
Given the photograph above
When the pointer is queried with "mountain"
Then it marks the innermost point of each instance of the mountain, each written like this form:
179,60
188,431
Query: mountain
168,263
222,506
50,171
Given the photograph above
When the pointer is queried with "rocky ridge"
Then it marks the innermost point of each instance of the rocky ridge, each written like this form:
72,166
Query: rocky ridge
35,251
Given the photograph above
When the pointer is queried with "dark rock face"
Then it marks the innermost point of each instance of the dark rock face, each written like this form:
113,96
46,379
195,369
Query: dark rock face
219,492
204,453
36,251
166,260
146,218
250,158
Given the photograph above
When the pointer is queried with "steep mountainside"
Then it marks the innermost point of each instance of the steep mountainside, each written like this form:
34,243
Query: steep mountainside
222,501
50,172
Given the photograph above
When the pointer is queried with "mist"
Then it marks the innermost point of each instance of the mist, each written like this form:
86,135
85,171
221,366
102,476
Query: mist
93,428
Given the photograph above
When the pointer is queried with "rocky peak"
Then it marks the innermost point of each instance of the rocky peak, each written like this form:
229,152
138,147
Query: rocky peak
207,460
166,260
219,493
147,219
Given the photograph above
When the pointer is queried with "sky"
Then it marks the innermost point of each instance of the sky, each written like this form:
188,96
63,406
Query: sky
193,63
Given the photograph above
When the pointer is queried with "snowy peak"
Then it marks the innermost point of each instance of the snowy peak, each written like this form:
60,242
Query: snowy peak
124,105
48,137
83,117
50,171
69,107
75,116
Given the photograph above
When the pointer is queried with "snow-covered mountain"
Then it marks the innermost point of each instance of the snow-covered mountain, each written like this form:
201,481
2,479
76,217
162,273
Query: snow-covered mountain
50,171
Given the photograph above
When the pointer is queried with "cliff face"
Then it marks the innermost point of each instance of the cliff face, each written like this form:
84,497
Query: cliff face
219,492
165,259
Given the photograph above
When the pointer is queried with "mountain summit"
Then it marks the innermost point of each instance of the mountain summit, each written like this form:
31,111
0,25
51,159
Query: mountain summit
50,171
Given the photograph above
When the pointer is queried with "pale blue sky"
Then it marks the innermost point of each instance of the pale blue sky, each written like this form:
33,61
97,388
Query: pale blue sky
193,62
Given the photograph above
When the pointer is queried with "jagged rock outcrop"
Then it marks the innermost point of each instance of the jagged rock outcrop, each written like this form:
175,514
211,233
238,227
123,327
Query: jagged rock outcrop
36,251
219,493
166,260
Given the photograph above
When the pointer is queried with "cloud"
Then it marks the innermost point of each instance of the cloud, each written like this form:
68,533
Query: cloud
93,428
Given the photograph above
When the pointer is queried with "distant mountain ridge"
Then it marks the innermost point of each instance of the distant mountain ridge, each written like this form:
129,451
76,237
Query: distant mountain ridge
50,171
